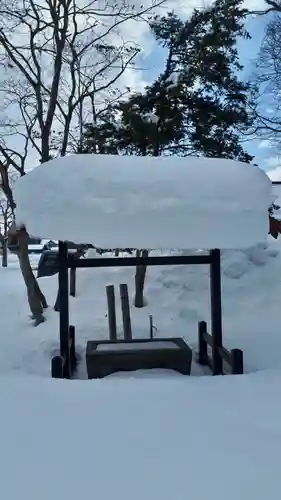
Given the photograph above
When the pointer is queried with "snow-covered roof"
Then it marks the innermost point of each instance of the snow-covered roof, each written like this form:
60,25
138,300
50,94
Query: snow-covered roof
274,174
146,202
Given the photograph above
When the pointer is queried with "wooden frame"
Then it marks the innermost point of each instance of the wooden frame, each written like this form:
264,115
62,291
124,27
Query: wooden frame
66,261
220,355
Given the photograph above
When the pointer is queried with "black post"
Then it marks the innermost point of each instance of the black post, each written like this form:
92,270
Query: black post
72,352
57,367
216,313
151,327
57,303
125,306
202,344
64,308
110,294
237,362
72,284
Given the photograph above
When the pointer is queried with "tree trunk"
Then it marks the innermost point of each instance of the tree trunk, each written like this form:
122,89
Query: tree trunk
36,299
39,292
5,253
57,303
139,280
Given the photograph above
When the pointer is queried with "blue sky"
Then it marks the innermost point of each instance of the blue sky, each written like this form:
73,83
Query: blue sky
264,156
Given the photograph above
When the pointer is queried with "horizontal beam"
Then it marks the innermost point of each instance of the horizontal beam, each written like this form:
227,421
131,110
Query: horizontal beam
225,355
208,338
167,260
223,352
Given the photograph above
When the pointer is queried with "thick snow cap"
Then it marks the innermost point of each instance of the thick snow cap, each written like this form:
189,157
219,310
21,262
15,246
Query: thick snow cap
146,202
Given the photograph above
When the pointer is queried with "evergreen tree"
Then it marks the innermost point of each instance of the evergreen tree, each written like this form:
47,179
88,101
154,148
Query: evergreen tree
197,105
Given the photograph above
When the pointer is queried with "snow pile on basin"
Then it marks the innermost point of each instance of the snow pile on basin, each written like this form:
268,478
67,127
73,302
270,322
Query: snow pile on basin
137,202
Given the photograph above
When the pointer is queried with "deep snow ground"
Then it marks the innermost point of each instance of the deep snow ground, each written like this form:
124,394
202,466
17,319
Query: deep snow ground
189,438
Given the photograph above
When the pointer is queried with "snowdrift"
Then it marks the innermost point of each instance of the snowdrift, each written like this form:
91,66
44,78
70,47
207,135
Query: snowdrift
146,202
142,439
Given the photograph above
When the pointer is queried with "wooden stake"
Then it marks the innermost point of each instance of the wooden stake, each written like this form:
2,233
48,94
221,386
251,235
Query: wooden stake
72,282
111,312
140,279
151,327
124,296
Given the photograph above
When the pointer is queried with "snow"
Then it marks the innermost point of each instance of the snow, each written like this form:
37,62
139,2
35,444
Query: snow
150,439
136,346
150,117
173,80
153,435
36,247
160,203
277,194
274,174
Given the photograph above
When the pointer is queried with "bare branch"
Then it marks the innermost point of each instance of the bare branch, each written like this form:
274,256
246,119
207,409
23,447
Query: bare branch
273,6
5,184
61,55
267,124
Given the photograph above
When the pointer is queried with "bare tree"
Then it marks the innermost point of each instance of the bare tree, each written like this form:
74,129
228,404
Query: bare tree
61,62
20,237
6,220
270,6
268,79
267,75
67,52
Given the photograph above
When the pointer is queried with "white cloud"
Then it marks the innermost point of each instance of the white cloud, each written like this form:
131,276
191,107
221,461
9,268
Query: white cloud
265,144
254,4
